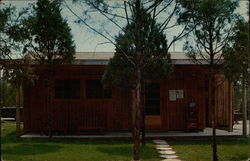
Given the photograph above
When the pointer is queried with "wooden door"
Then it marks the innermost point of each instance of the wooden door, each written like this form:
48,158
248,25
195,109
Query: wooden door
152,106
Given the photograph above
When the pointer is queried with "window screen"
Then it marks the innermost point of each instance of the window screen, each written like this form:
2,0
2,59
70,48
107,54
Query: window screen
94,89
67,88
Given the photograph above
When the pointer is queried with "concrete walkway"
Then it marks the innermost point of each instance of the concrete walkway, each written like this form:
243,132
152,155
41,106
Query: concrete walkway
7,119
166,152
149,135
207,132
237,128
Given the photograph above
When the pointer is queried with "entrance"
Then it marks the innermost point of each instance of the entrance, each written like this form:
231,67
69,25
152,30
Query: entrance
152,106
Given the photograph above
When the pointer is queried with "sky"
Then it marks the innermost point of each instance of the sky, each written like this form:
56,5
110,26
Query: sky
88,41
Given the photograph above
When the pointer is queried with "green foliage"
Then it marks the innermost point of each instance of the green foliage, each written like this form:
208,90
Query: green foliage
212,25
236,65
12,33
238,95
4,16
7,94
50,38
203,11
118,72
212,22
154,60
19,72
16,66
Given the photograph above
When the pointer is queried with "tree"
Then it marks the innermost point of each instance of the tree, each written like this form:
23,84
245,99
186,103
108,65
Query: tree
213,22
236,64
249,60
7,94
148,58
11,33
132,53
50,42
12,36
19,73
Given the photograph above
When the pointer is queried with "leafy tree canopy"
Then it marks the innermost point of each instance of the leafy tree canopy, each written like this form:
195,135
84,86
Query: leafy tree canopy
213,22
154,58
50,38
16,66
12,34
235,65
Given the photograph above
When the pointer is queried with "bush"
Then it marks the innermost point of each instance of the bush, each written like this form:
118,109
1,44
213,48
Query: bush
7,94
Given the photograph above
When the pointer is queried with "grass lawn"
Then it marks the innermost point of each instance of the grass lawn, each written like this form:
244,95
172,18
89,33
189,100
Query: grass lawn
14,149
228,150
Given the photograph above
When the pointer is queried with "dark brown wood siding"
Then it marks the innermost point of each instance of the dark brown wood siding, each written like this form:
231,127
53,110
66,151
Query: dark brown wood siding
191,80
73,115
223,102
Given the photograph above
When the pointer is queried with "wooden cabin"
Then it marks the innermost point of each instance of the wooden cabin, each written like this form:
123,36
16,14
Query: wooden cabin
79,102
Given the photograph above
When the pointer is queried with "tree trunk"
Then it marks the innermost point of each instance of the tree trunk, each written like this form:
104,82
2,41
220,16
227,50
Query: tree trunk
136,112
18,105
1,106
143,114
248,95
248,107
138,78
214,142
244,109
49,104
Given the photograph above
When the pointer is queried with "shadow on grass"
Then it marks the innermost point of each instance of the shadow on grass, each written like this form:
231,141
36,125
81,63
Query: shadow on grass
118,151
11,138
147,152
30,149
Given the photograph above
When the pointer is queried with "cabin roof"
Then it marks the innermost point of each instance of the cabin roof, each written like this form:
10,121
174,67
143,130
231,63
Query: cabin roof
102,58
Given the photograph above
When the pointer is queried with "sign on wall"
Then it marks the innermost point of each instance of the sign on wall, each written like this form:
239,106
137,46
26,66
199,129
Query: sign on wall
176,94
172,95
179,94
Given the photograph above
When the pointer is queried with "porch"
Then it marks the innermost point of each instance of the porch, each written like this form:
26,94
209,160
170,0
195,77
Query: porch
205,134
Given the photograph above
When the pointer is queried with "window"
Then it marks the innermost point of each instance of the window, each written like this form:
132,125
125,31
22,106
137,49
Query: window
152,99
94,89
67,88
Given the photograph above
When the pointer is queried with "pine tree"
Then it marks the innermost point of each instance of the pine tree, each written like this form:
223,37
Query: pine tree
50,42
146,58
236,65
135,56
212,21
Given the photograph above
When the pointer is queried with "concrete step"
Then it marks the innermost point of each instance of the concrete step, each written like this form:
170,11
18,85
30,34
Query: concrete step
169,156
164,148
167,152
171,160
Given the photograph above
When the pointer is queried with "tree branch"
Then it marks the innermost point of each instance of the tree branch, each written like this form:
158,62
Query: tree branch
126,12
104,14
93,29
